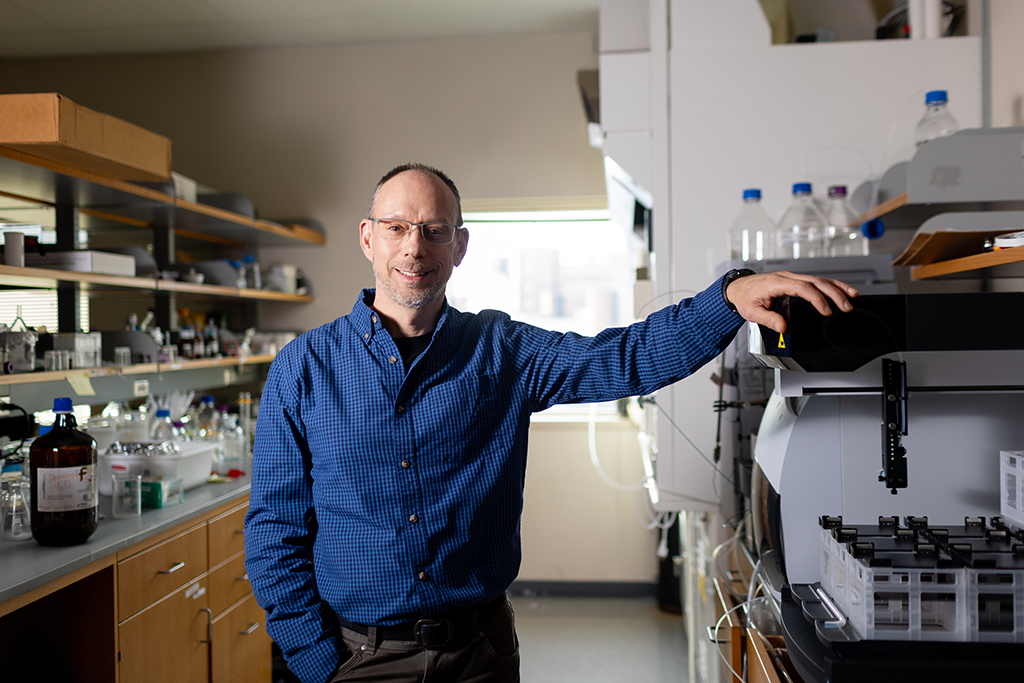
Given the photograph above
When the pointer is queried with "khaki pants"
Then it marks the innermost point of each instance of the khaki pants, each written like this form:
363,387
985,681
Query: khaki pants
490,657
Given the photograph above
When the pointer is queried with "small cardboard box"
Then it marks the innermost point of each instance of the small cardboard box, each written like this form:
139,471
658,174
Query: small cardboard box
83,261
161,493
51,126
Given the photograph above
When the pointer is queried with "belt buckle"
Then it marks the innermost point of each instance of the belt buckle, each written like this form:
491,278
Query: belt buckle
427,633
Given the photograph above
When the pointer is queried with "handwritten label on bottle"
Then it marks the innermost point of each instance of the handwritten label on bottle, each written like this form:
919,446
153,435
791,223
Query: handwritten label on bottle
65,489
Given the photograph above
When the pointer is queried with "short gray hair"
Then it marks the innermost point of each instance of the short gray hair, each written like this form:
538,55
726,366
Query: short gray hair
422,168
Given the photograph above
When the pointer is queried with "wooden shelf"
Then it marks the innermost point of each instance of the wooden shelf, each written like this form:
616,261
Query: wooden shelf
47,278
966,263
137,369
49,183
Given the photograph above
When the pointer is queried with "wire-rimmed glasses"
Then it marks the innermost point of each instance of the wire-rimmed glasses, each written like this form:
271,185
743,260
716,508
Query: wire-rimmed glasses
396,229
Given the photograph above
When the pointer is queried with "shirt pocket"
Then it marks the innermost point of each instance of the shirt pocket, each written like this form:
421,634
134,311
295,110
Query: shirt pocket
459,420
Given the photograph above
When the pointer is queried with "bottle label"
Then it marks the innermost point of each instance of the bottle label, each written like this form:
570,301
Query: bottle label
65,489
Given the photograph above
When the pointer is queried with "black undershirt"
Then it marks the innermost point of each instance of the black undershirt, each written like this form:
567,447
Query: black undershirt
412,347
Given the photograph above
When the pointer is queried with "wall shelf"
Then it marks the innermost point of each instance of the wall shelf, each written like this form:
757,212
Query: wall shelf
48,278
34,179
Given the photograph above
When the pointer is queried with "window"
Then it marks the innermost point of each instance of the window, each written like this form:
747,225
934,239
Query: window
565,270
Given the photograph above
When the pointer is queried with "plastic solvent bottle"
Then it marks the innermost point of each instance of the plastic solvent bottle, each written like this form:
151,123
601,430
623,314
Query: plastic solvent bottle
937,122
844,235
802,231
233,461
208,428
163,429
750,234
63,471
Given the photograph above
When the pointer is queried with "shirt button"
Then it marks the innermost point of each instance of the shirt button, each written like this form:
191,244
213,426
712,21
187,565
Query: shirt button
366,336
406,464
400,409
413,518
392,360
422,576
373,318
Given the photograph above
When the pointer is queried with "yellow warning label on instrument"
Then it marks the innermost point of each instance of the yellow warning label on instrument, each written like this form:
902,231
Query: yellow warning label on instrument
782,341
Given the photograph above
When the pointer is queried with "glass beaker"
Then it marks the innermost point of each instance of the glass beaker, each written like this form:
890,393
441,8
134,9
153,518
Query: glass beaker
15,510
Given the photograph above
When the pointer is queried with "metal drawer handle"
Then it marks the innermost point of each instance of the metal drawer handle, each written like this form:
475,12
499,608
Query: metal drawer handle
252,628
209,624
173,569
242,578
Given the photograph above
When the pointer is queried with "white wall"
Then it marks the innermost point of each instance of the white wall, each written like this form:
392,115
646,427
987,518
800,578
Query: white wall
595,534
1007,20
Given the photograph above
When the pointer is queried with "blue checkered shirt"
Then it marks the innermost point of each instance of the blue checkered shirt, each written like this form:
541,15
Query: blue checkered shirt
385,493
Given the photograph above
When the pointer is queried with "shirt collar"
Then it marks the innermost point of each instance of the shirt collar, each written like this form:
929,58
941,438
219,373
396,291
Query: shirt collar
367,322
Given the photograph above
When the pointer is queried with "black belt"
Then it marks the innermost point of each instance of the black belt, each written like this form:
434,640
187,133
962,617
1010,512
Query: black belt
456,628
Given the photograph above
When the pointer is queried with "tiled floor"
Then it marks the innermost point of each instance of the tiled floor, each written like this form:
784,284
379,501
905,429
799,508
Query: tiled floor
599,640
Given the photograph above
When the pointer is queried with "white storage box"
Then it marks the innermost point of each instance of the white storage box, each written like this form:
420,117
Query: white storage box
83,262
192,464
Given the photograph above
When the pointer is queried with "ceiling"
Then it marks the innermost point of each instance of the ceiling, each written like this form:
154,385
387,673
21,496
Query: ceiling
44,28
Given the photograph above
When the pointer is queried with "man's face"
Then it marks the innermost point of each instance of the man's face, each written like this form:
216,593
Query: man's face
412,273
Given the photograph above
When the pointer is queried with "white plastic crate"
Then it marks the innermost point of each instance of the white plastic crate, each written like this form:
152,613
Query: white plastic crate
888,603
996,605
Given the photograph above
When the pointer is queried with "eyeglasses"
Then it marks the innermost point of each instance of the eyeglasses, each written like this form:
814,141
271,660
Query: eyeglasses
396,229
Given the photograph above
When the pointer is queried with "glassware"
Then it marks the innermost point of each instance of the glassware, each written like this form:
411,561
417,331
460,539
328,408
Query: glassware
122,356
127,494
801,232
844,235
751,232
64,488
233,438
15,510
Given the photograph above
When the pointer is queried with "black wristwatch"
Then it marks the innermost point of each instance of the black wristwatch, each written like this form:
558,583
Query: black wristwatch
727,280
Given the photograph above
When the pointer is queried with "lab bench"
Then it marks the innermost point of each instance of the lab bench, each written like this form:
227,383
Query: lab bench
159,597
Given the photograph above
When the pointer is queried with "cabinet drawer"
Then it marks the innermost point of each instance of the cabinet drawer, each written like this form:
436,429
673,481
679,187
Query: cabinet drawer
239,637
144,578
228,584
167,642
226,535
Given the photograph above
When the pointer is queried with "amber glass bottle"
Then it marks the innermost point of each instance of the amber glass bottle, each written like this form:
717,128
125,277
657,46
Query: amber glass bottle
65,504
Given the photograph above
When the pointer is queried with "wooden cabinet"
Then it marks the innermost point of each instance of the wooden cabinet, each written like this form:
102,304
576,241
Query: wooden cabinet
186,609
144,578
168,641
240,644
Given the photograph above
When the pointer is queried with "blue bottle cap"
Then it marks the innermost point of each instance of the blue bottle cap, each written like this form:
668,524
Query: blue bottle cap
163,413
207,399
801,188
936,96
873,229
62,405
752,193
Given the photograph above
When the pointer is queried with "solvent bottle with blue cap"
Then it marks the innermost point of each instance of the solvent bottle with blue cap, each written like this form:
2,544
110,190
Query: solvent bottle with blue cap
801,232
750,236
937,122
63,472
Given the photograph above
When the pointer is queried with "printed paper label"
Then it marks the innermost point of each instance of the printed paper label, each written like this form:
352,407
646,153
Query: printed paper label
65,489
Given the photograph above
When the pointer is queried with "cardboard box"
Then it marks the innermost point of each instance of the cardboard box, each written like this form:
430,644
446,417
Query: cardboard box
160,493
53,127
83,262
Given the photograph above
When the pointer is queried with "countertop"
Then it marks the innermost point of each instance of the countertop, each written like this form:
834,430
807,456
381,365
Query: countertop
25,565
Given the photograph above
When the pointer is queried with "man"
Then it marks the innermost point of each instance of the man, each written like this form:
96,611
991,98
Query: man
390,453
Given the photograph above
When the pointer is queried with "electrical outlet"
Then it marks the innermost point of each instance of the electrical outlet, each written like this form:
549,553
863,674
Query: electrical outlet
141,388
